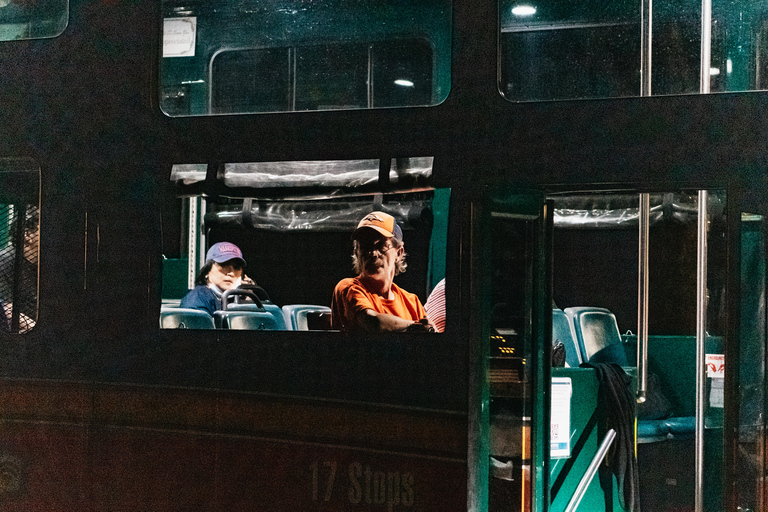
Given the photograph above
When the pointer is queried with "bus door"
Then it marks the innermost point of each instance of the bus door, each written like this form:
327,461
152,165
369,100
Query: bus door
640,281
510,362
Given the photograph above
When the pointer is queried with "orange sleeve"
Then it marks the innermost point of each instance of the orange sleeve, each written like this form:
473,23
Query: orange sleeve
349,298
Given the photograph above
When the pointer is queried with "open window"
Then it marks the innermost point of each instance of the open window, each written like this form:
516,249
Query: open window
293,222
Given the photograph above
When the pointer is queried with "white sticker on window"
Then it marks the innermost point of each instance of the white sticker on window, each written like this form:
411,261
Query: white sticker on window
715,366
179,37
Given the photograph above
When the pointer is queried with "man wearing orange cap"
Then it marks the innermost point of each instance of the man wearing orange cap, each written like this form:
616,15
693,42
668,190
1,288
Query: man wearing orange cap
372,301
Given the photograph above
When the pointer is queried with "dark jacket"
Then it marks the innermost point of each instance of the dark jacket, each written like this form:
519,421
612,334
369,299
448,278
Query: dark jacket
202,298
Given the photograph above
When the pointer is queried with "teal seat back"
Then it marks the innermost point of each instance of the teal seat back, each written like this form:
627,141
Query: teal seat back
249,320
296,315
597,334
277,323
182,318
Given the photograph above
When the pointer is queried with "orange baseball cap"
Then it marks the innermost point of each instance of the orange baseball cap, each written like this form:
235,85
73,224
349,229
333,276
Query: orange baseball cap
382,222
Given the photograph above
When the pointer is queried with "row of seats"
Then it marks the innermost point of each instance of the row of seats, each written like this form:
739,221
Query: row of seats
267,316
592,335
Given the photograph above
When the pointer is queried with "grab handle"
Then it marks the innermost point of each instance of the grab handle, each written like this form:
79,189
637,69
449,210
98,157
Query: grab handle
591,470
644,213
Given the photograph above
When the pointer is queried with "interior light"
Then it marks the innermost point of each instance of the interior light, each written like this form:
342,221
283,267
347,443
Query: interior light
523,10
729,66
714,71
404,83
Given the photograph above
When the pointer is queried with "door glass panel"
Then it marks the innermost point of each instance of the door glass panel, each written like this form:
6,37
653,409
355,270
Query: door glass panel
509,351
513,429
750,470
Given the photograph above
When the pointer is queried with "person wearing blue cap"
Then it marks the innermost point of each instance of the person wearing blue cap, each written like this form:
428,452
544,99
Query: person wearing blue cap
223,270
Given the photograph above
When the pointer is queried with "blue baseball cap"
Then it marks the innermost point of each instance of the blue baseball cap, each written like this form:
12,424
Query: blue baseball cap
224,251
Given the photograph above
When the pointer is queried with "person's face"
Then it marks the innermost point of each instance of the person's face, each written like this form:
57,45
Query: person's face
226,275
377,255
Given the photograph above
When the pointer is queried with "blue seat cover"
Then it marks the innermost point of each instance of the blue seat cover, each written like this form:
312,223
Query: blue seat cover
650,431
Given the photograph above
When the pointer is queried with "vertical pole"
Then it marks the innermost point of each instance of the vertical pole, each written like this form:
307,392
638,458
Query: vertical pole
701,337
196,239
644,214
646,40
706,45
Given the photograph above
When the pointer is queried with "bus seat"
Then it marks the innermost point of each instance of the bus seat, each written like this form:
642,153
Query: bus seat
183,318
562,330
319,321
249,320
652,431
272,309
296,315
170,303
597,335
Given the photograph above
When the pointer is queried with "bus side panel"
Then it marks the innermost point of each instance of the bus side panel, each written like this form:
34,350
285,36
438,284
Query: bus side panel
134,469
268,475
43,467
167,471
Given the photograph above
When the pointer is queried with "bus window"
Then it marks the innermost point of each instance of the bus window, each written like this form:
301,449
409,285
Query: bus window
21,19
566,50
293,222
19,244
246,58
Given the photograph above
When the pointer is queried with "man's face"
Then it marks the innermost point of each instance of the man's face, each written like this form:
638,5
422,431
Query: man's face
377,255
226,275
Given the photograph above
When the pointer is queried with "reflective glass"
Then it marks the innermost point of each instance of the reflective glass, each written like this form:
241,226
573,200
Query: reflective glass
750,470
24,19
566,50
245,57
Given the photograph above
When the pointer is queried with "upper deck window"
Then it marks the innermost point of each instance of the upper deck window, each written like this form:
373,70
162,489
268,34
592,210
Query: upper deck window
19,244
243,57
566,50
28,19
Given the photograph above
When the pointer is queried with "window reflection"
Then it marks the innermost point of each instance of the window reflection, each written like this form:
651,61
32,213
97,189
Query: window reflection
24,19
563,50
243,57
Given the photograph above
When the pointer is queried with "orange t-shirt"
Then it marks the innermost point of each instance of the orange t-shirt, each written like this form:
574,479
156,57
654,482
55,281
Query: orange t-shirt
350,297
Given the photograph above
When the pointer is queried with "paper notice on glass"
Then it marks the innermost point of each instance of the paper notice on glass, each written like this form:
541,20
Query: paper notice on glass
179,36
560,418
715,366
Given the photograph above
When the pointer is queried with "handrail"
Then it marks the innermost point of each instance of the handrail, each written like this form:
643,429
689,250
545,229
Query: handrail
642,297
591,470
238,291
701,337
